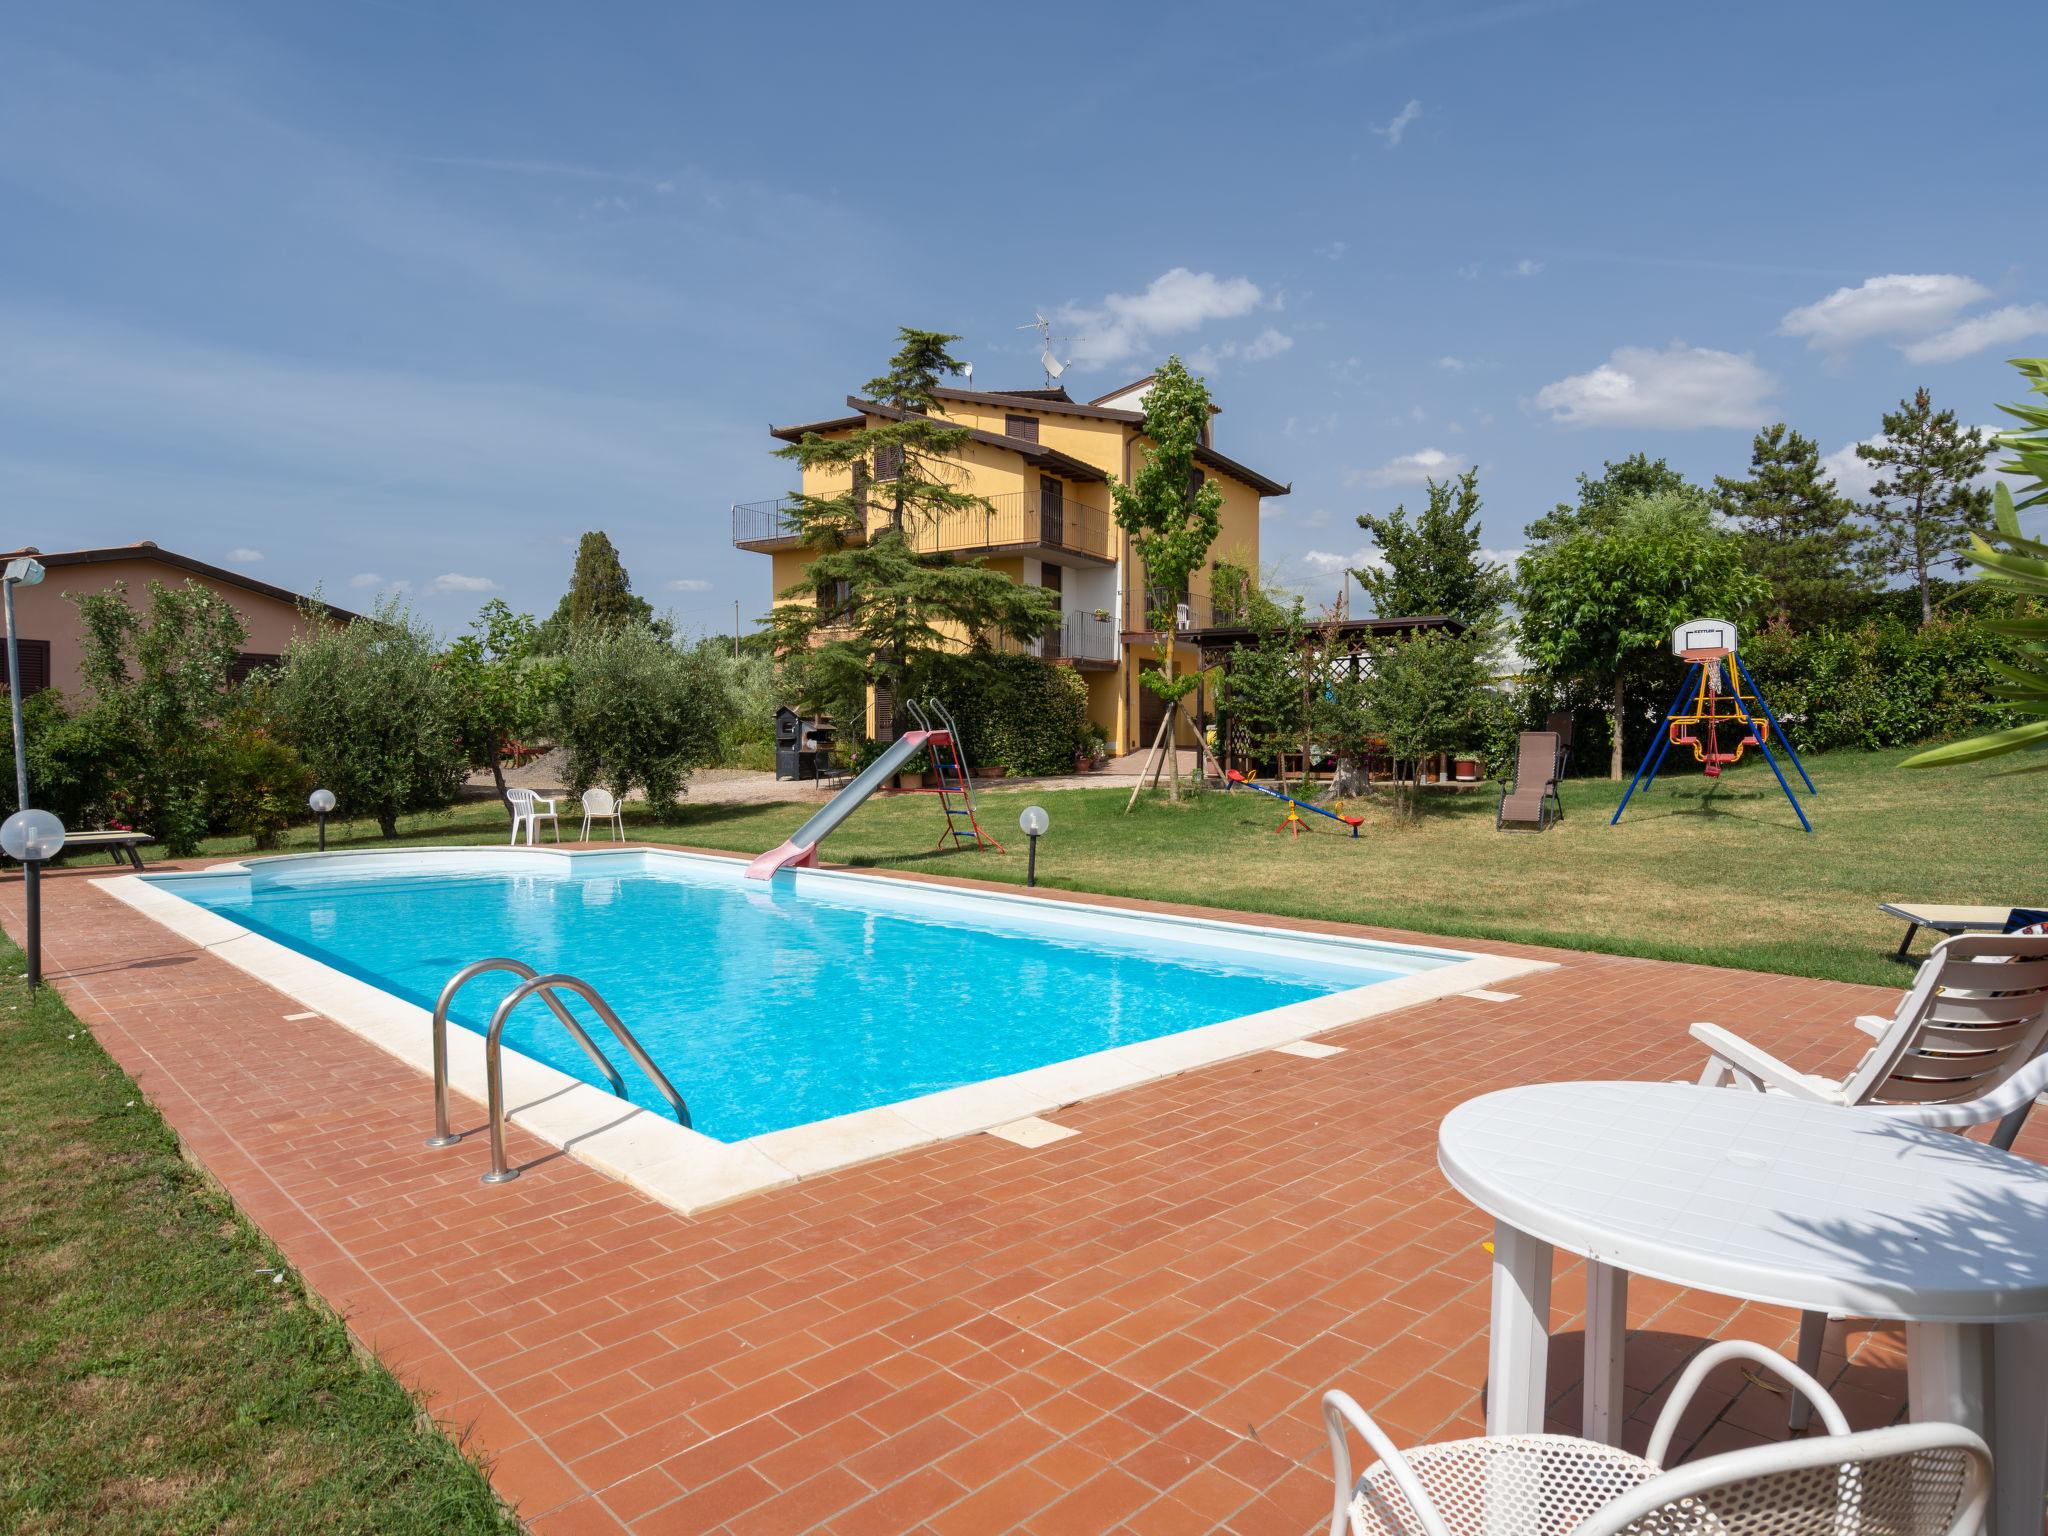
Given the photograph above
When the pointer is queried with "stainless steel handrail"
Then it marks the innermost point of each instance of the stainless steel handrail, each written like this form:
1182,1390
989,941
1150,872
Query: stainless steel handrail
443,1136
494,1073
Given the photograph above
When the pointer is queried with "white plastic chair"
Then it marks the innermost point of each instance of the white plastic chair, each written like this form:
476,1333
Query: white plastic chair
1969,1030
1910,1480
602,805
528,809
1976,1013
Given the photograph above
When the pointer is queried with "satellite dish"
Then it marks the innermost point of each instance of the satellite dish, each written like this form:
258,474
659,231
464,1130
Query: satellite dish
967,372
1052,365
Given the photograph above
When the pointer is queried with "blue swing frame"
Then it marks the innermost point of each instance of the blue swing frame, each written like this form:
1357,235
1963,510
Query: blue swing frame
1693,685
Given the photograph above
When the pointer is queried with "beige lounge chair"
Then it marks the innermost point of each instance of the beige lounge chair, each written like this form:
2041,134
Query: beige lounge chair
1943,919
1532,799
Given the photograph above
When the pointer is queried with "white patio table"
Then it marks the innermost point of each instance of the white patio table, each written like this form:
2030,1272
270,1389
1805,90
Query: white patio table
1770,1199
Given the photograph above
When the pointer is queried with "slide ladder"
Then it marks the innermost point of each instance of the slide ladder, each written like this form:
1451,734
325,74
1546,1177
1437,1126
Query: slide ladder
949,763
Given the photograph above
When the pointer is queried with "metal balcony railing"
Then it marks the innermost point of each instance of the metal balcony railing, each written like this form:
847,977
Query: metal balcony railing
1081,637
1013,520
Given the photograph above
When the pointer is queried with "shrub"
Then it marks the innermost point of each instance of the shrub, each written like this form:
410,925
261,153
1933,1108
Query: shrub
258,784
371,714
636,710
1015,712
69,762
1882,683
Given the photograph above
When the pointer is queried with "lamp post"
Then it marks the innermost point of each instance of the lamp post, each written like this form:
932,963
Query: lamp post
25,572
1033,823
320,802
32,836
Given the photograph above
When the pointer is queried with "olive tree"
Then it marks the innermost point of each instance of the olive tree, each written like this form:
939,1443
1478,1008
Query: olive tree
370,709
635,710
157,680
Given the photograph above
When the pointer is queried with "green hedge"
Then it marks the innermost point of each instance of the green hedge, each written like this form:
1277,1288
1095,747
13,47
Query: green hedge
1882,683
1015,712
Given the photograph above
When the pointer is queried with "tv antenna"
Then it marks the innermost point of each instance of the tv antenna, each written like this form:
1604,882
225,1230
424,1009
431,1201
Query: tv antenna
1052,365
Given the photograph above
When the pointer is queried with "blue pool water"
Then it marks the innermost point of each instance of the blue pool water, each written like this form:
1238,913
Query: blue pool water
774,1004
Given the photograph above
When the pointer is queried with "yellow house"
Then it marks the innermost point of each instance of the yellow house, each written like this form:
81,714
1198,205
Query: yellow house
1042,463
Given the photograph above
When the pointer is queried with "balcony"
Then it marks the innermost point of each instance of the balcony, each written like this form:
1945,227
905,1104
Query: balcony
1016,522
1082,639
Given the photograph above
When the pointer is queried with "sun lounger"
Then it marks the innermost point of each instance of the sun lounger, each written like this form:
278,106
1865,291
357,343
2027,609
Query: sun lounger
1950,920
121,845
1532,799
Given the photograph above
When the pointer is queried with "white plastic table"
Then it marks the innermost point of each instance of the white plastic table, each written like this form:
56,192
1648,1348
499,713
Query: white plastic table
1776,1200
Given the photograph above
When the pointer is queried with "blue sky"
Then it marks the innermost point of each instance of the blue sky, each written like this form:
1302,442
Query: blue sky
403,294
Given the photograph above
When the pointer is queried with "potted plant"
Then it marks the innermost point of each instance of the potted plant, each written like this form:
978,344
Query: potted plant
1467,770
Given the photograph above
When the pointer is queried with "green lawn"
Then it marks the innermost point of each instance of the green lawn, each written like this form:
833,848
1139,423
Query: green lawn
1717,873
155,1375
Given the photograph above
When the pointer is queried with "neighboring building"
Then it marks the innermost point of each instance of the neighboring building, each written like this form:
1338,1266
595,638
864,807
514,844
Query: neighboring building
51,640
1043,462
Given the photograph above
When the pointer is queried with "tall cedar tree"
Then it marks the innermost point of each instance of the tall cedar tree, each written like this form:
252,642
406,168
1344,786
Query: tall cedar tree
600,596
1796,529
872,602
1601,500
1924,503
1171,511
1432,566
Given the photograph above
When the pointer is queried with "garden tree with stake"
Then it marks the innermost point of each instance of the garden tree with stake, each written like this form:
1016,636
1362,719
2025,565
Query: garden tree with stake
1601,604
1172,512
1432,566
870,604
502,682
1797,530
371,710
157,685
2020,565
1924,503
1422,697
634,709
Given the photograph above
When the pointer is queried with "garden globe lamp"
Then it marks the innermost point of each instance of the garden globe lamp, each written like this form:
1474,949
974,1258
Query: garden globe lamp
320,802
1033,823
31,837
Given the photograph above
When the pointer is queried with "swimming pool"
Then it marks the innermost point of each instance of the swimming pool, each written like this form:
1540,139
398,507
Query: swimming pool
822,997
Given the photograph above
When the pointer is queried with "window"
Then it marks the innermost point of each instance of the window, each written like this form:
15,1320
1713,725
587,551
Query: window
889,461
246,662
1052,577
1025,427
835,601
35,665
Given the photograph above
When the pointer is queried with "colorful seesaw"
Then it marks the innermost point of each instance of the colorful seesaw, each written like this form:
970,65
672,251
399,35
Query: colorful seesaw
1292,823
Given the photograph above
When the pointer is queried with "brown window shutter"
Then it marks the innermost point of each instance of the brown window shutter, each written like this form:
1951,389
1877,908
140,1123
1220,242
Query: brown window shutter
35,665
1025,427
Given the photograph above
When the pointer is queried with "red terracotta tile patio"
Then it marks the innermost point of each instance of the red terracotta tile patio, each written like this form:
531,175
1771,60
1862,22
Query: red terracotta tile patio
1128,1330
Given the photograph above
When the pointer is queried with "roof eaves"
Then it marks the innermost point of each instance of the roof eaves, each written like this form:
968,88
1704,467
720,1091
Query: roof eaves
147,550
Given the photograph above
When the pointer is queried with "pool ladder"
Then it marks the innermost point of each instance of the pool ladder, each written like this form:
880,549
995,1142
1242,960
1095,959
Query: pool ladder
531,983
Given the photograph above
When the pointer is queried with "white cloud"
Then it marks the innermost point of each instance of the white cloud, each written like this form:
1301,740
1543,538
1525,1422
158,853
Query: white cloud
365,580
1451,364
1410,469
1469,271
1525,268
689,584
1268,343
1679,386
1897,304
245,555
455,581
1999,327
1325,562
1397,130
1176,301
1334,251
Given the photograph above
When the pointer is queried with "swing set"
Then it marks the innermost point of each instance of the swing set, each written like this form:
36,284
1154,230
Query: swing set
1719,713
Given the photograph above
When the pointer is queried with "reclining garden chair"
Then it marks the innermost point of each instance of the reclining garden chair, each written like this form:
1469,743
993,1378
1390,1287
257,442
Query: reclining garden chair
1909,1480
1967,1045
1532,798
